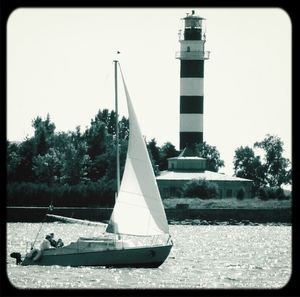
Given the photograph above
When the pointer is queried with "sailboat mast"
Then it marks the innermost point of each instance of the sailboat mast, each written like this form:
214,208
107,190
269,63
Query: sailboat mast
117,126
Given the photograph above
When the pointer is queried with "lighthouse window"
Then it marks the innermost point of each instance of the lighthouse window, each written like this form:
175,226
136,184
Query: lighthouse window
188,49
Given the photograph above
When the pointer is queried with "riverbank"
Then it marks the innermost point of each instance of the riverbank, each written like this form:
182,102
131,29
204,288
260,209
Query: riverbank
228,203
174,215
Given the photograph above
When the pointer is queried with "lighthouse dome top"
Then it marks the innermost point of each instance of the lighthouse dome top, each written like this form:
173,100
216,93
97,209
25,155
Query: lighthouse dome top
193,16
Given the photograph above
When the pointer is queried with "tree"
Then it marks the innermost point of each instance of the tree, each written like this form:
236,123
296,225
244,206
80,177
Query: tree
13,161
124,128
43,133
26,153
168,150
273,172
155,151
276,167
266,193
111,158
153,163
247,165
48,168
200,188
212,156
76,160
111,124
95,137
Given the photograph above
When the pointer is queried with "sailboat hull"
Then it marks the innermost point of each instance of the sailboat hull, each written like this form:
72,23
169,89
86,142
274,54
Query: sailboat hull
142,257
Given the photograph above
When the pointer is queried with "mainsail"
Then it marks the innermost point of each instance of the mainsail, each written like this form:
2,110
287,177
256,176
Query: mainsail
138,209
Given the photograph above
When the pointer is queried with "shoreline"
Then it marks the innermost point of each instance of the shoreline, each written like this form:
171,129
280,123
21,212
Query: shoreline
213,216
197,222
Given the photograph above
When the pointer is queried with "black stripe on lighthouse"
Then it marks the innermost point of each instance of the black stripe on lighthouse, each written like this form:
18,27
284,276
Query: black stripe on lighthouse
192,68
190,138
191,104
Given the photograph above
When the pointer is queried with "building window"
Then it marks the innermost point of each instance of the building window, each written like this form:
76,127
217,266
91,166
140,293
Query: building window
229,193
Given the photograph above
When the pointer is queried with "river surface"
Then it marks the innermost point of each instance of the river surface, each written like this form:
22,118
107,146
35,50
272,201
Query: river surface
202,257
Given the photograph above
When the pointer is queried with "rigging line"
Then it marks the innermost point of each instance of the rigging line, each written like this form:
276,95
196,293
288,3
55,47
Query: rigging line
50,208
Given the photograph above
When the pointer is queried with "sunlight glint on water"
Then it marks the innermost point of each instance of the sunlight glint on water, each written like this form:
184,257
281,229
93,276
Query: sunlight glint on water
202,257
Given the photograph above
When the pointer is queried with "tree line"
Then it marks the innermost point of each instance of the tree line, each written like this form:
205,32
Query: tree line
79,168
73,168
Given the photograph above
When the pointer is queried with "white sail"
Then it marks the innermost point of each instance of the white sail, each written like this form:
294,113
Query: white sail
138,209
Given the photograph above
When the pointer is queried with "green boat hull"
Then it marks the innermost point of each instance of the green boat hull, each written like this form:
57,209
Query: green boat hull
142,257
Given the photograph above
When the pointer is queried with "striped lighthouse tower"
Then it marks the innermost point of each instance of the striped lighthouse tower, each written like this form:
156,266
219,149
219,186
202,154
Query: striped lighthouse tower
191,56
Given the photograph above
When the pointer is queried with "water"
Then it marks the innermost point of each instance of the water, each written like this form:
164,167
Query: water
202,257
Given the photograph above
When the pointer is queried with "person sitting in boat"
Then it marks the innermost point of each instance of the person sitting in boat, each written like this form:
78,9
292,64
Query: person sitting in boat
46,243
36,254
52,240
59,243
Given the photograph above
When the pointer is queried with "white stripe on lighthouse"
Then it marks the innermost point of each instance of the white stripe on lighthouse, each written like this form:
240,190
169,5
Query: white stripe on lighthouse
191,86
191,122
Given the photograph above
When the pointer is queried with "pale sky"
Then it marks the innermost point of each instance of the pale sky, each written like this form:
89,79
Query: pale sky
60,61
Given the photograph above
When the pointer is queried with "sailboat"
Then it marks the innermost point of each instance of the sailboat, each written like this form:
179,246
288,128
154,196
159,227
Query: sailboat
137,234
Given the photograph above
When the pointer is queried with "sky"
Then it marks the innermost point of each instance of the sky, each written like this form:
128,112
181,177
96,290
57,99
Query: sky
60,62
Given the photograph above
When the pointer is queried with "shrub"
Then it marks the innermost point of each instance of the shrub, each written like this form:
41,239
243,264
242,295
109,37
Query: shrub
200,188
266,193
92,194
241,194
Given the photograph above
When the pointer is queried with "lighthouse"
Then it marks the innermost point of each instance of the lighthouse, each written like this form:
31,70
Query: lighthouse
191,55
189,165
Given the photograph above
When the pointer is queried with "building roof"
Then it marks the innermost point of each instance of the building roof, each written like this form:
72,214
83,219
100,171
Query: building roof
208,175
186,158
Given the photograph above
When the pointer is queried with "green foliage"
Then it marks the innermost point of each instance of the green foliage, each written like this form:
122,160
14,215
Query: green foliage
273,172
167,151
47,168
96,138
154,154
92,194
72,168
277,171
247,165
23,170
212,156
13,159
154,166
154,149
43,133
200,188
266,193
